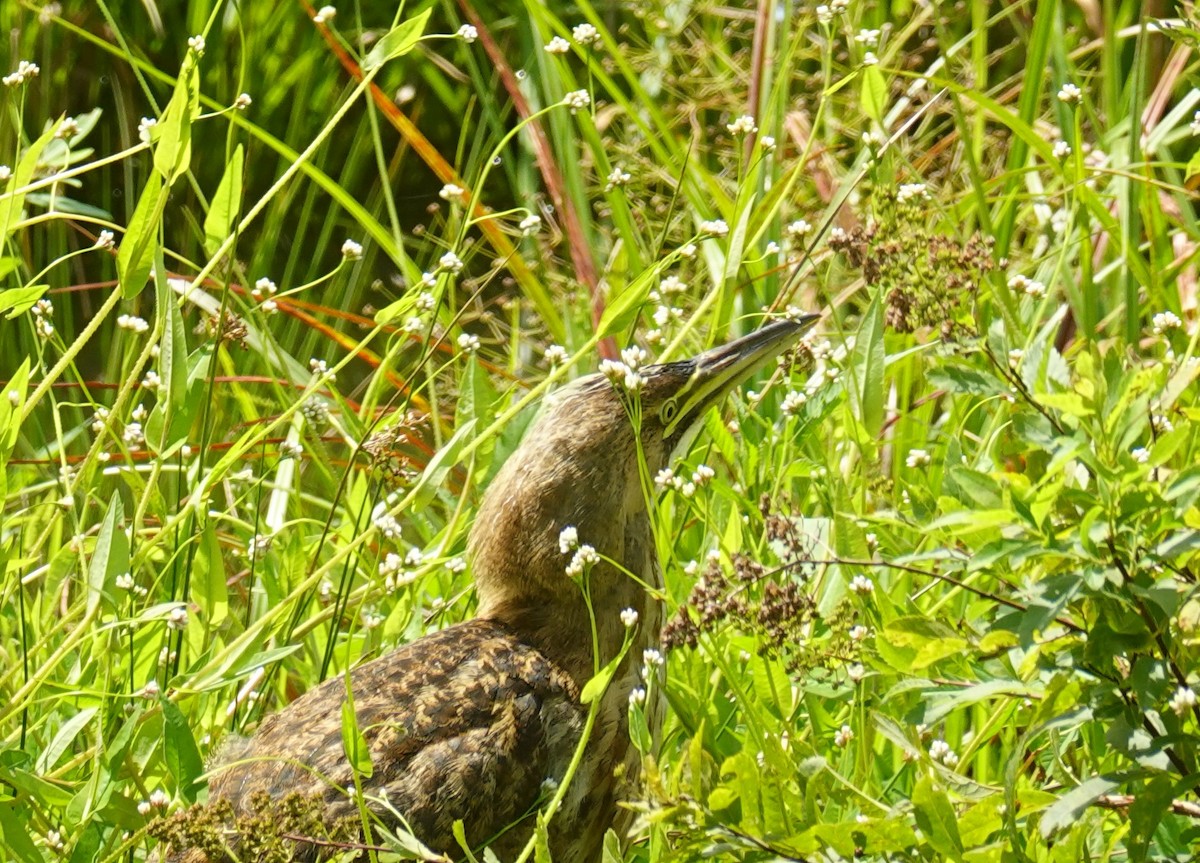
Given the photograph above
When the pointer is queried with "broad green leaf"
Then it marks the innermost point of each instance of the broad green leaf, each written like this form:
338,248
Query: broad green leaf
170,418
48,757
1064,814
12,201
208,578
595,687
354,744
397,41
17,833
936,818
111,557
136,255
226,203
180,751
173,132
868,365
874,93
17,301
439,466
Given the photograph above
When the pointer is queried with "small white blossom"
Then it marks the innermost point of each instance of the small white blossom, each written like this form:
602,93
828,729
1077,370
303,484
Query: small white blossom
151,381
556,355
1183,700
557,45
456,565
325,15
911,191
843,736
1015,356
665,478
352,250
242,102
125,581
634,356
1061,149
14,398
196,43
263,287
450,262
143,808
856,672
652,658
743,125
918,458
702,474
451,192
687,250
530,224
568,539
716,227
105,241
862,585
318,367
468,342
54,840
1164,321
577,100
133,323
767,143
824,14
772,248
5,173
68,128
1069,94
629,617
637,696
585,557
857,633
414,325
793,402
616,178
133,435
146,129
869,38
151,690
385,522
1140,454
159,799
258,546
869,59
467,33
673,285
585,34
426,301
799,228
178,618
25,70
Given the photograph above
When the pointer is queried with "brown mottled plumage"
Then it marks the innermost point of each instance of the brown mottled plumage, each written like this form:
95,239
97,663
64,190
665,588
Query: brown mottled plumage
477,722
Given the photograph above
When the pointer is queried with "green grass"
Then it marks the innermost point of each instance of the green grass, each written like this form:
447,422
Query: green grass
949,600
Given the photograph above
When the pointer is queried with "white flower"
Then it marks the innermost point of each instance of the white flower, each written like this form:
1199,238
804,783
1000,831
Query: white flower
616,178
146,128
585,34
125,581
133,435
862,585
5,173
743,125
577,100
1061,149
909,191
1164,321
1195,126
637,696
568,539
939,750
425,300
629,617
857,633
144,807
159,799
196,43
351,250
68,128
325,14
269,307
687,250
843,736
530,224
1183,700
468,342
242,102
664,478
702,474
869,38
716,227
556,355
105,240
799,228
1015,356
634,356
385,522
451,262
1069,94
652,658
178,618
150,690
585,557
451,192
263,286
414,325
151,381
132,323
793,402
856,672
869,59
318,366
14,398
456,564
25,70
772,248
767,143
467,33
824,14
557,45
918,458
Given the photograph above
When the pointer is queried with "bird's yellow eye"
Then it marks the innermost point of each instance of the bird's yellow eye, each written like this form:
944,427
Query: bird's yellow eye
668,411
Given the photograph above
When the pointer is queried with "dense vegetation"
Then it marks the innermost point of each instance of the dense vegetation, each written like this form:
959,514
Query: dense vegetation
931,582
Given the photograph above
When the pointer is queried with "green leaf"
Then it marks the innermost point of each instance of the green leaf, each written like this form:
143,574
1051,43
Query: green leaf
936,818
66,735
12,202
397,42
17,833
874,93
180,751
208,578
173,132
111,557
868,364
1064,814
439,466
136,255
226,203
354,744
170,419
595,687
17,301
541,842
1150,804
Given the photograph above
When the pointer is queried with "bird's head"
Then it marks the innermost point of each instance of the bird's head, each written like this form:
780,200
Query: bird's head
584,464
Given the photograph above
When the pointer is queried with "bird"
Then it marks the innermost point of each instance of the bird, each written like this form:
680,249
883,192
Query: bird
478,723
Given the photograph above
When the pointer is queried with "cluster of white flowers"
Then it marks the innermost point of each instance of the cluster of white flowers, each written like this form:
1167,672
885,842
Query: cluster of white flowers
862,585
1026,285
767,143
556,355
826,13
133,435
793,402
912,191
371,618
1069,94
320,368
530,224
584,558
25,70
263,292
41,311
1061,149
325,15
622,373
468,33
629,617
258,545
386,523
869,38
843,737
452,192
652,660
290,449
557,45
672,285
1164,321
146,129
1183,700
5,173
178,618
352,250
468,343
158,800
799,228
196,43
869,59
637,696
858,632
585,34
242,102
577,100
568,539
743,125
918,458
151,380
450,262
68,128
716,227
616,178
105,241
687,250
133,323
1140,454
939,750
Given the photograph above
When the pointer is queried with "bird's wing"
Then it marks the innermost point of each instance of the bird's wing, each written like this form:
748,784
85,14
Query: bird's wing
467,723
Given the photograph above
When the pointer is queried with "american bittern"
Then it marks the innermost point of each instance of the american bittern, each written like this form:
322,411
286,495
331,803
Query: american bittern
477,722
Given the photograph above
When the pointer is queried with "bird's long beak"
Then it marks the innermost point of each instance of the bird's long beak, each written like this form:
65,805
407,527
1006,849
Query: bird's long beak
720,369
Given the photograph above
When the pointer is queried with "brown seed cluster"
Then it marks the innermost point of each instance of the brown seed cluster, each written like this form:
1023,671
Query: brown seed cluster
267,831
927,279
384,447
